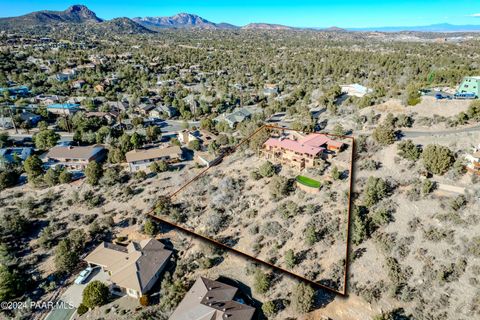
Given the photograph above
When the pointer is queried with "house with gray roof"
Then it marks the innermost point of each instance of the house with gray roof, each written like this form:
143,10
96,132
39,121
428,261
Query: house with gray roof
11,155
133,269
212,300
235,117
74,157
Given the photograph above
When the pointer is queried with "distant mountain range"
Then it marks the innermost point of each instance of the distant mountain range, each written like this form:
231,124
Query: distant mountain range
441,27
81,15
181,20
74,16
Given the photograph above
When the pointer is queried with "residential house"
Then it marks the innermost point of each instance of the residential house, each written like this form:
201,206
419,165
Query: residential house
145,108
270,89
110,117
169,111
99,88
473,161
66,75
16,92
63,108
117,105
6,123
31,118
155,113
78,84
355,90
76,157
207,159
186,136
235,117
10,155
212,300
140,159
304,152
47,99
205,137
134,269
470,85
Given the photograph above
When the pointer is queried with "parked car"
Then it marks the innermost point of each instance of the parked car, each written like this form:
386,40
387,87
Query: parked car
82,277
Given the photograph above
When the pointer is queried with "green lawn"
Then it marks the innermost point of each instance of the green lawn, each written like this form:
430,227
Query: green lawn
308,182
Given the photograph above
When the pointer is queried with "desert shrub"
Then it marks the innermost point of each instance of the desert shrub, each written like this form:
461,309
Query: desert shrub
216,221
394,271
360,224
397,314
437,159
451,272
408,150
375,190
473,247
336,174
171,293
65,177
311,235
267,169
82,309
255,175
384,134
51,177
435,234
290,259
194,145
8,179
262,281
280,187
457,203
382,216
289,209
150,227
269,308
302,298
12,282
93,172
428,186
95,294
67,252
271,228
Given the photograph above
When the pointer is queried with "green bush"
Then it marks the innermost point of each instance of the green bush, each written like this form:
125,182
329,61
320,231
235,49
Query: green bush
376,189
267,169
95,294
262,282
437,159
384,134
290,259
82,309
408,150
302,298
269,308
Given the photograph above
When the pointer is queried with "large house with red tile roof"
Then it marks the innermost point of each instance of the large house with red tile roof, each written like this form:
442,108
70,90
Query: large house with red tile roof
301,152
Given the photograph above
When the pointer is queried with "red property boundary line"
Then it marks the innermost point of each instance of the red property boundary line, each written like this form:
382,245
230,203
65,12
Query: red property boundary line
151,214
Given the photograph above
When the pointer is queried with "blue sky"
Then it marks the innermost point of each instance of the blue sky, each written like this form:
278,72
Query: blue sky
298,13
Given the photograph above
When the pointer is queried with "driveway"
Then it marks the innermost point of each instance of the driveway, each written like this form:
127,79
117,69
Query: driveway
73,296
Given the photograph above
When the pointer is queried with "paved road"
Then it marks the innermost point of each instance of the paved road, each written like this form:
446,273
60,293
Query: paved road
167,127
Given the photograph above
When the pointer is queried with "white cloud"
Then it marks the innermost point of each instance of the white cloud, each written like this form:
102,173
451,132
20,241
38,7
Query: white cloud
476,15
